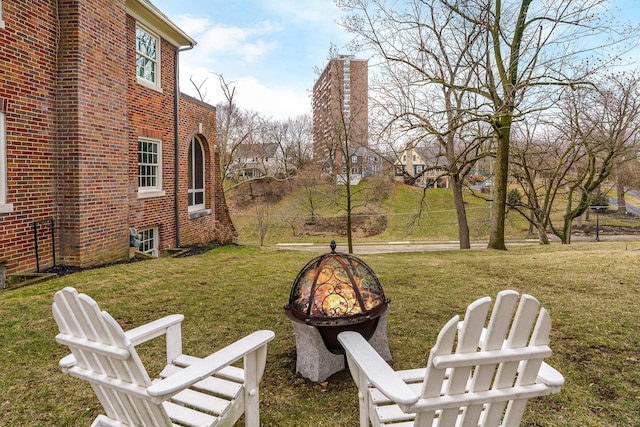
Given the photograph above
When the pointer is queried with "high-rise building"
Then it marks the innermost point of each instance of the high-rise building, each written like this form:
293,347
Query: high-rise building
340,108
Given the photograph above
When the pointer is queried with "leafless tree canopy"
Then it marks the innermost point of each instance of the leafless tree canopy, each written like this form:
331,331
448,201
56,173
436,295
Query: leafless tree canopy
463,72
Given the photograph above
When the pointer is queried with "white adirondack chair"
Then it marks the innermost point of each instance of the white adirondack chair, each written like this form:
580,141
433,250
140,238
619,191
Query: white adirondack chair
191,391
486,380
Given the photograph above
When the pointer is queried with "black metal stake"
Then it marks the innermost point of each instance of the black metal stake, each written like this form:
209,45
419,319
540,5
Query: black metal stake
53,242
35,238
597,225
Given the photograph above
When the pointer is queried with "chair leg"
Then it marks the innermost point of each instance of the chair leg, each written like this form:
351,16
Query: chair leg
251,395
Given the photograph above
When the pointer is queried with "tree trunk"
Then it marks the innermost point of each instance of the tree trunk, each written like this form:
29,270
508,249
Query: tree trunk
542,234
622,204
463,225
499,194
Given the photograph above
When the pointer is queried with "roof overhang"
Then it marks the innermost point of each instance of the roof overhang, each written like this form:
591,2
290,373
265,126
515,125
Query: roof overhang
149,15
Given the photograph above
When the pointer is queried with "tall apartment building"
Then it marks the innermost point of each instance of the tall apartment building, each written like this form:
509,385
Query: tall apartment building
340,108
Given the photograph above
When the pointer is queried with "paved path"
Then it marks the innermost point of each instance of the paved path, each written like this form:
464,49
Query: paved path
407,246
389,247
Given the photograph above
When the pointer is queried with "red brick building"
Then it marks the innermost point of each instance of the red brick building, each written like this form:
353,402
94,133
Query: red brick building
340,107
95,138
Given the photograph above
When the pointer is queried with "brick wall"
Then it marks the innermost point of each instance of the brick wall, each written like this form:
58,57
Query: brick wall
198,118
27,96
74,113
92,132
151,115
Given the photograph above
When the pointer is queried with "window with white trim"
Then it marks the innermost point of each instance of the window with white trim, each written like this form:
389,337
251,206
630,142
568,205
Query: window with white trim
149,241
147,58
149,167
196,175
1,21
4,206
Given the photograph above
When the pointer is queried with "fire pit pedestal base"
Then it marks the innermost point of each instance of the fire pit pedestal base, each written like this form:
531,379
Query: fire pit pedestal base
316,363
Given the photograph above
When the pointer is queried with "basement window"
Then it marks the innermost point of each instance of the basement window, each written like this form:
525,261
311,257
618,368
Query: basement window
149,241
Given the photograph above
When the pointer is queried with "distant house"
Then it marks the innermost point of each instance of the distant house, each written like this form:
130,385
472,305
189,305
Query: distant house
256,160
362,163
97,145
426,164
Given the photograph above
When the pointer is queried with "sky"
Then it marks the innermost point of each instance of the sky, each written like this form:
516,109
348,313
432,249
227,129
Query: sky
268,49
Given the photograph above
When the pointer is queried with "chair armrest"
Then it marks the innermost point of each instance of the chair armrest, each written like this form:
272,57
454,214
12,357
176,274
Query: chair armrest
549,376
210,364
67,361
153,329
375,369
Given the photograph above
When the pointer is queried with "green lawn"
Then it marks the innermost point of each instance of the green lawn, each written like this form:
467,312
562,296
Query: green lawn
411,213
591,291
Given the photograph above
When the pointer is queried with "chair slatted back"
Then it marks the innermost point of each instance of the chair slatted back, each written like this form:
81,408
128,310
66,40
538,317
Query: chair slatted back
487,375
106,358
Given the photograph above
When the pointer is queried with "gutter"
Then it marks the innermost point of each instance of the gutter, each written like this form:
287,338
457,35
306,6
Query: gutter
176,129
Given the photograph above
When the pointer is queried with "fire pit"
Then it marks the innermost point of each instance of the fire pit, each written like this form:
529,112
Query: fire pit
333,293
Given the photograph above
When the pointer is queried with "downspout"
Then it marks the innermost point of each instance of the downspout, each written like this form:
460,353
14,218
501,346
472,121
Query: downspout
176,128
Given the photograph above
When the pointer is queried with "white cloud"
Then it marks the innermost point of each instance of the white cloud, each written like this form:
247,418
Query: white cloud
247,44
193,25
277,102
317,11
269,57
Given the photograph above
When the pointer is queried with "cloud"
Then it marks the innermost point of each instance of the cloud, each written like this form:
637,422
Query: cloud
193,25
246,44
316,11
272,101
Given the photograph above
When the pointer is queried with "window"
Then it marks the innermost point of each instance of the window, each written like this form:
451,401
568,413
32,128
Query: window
4,206
196,176
147,58
354,159
149,168
1,21
149,241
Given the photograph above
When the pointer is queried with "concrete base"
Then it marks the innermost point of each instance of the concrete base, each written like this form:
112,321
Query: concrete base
316,363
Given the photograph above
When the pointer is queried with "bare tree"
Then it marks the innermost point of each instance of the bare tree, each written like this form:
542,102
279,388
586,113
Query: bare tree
508,52
234,125
312,189
200,88
570,157
300,137
262,221
627,176
294,140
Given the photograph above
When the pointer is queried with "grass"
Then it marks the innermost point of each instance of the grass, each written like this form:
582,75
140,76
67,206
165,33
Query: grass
591,291
436,219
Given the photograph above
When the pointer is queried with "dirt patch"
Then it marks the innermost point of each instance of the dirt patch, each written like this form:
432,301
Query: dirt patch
362,225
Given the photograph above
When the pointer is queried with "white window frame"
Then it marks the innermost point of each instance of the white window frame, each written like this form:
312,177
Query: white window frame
4,206
146,191
149,244
156,84
192,191
1,21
